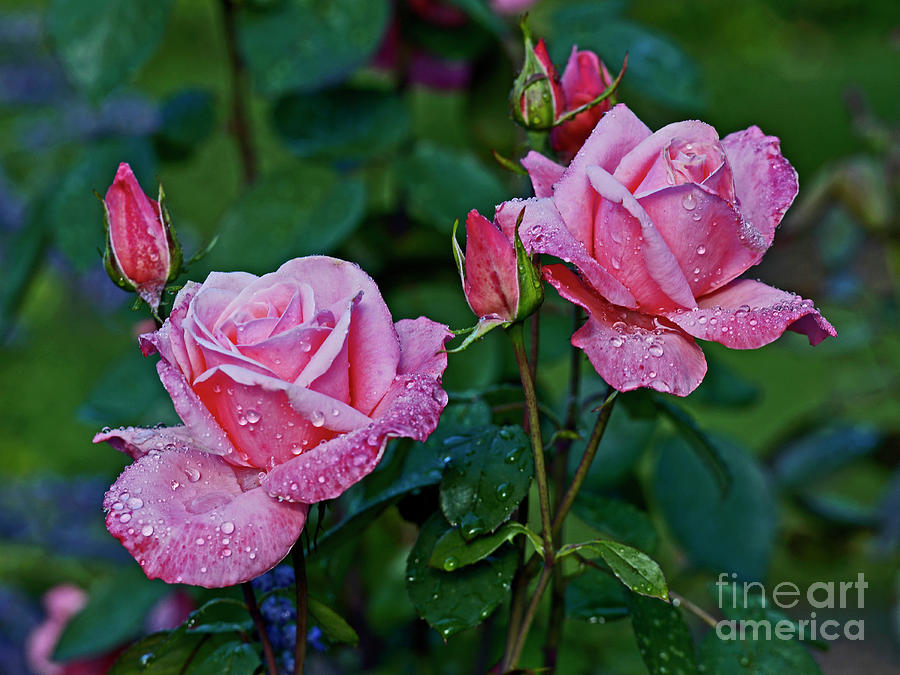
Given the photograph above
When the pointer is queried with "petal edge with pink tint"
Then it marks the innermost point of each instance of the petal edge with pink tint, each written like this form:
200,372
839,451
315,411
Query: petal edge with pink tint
186,517
411,409
748,314
543,172
765,183
422,347
629,349
139,441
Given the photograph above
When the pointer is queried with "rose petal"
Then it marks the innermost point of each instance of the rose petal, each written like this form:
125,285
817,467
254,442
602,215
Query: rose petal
410,409
635,166
629,349
288,352
422,346
628,244
202,425
617,132
168,342
186,518
491,280
138,441
328,351
764,181
706,235
542,231
302,307
543,172
747,314
374,349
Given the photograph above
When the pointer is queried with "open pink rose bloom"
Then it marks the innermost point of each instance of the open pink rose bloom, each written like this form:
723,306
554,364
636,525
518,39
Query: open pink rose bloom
289,386
658,227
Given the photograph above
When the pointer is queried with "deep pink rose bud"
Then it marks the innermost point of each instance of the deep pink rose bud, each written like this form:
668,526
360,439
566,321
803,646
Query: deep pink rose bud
501,283
536,99
142,253
583,80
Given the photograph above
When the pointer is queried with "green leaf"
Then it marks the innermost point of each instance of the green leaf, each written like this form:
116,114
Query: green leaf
596,597
486,479
188,119
342,123
231,658
103,43
663,637
303,45
618,519
428,172
302,209
452,551
657,67
732,533
824,451
114,615
167,653
635,569
21,254
219,615
453,601
759,652
690,431
724,387
332,624
128,393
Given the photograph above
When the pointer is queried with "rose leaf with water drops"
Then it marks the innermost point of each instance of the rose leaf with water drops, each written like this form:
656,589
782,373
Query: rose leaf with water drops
453,601
485,481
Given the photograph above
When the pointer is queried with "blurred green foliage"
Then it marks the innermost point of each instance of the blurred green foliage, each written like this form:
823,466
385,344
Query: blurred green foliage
374,164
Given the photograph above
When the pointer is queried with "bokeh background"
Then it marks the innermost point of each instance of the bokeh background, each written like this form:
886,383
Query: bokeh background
370,126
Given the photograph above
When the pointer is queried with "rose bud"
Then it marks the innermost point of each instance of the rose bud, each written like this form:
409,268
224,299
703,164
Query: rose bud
501,283
536,99
142,253
583,80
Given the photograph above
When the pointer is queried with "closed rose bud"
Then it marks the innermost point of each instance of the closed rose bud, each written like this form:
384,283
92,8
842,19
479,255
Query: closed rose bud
142,253
536,99
583,80
501,283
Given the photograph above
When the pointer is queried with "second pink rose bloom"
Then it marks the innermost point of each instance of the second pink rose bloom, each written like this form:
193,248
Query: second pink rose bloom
658,227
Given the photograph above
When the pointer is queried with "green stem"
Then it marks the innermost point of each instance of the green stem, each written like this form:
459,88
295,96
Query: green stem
537,444
585,464
240,118
253,608
516,651
299,561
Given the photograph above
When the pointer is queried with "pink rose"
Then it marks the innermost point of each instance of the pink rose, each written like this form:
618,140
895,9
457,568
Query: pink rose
583,80
659,226
141,251
289,386
511,6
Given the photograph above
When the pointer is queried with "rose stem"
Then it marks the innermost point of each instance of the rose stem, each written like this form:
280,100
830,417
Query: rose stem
299,561
240,121
585,463
253,608
516,334
559,467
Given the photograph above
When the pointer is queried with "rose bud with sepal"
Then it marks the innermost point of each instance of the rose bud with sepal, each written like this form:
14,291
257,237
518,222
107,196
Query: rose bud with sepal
142,252
501,283
536,99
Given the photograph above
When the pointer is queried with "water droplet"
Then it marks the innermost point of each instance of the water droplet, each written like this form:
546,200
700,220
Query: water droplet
305,346
503,491
620,326
217,389
317,419
321,479
253,416
696,270
451,563
200,541
192,474
242,420
701,320
752,322
135,503
226,552
689,202
296,449
616,342
227,527
701,250
147,530
125,517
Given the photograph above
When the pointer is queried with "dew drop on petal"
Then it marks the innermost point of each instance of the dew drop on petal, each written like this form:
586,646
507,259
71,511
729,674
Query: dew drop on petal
701,250
252,416
317,419
192,474
227,527
147,530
